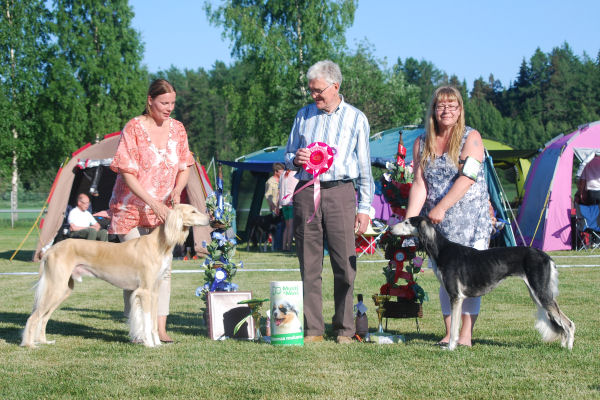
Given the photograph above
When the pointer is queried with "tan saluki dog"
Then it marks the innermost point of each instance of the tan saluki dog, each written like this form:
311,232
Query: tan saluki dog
136,265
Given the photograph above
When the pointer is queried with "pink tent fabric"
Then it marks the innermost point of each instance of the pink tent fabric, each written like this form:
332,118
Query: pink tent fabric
197,189
545,215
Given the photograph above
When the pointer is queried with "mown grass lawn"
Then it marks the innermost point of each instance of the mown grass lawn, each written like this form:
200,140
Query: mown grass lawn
93,359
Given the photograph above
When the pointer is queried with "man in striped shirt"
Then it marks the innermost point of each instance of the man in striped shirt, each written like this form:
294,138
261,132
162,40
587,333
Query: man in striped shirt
337,218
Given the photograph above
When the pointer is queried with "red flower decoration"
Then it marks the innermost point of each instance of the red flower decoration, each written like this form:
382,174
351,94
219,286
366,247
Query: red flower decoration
405,189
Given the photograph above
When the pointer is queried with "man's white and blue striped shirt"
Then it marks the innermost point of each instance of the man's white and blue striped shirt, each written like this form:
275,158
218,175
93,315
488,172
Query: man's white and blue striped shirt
346,130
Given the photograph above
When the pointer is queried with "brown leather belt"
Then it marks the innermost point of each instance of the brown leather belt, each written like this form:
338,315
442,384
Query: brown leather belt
327,184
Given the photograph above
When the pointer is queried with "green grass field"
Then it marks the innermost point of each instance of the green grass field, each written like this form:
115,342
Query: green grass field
93,359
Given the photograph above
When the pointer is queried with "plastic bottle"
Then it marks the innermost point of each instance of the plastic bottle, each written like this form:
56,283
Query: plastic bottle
361,321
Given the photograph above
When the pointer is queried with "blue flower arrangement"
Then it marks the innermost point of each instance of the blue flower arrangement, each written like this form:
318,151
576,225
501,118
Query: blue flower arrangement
219,269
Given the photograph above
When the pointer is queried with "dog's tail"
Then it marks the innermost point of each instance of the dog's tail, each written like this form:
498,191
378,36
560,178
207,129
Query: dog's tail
551,322
40,285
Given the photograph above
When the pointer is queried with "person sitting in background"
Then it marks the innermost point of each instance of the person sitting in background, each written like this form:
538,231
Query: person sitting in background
82,224
589,182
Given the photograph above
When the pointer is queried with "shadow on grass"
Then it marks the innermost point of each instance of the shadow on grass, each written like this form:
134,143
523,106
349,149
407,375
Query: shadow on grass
434,338
183,323
187,324
22,255
179,323
13,334
97,314
190,324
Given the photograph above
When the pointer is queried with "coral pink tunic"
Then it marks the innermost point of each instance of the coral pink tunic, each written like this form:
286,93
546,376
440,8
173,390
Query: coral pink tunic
156,170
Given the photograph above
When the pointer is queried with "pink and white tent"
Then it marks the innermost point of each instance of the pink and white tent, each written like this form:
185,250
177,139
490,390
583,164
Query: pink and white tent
545,215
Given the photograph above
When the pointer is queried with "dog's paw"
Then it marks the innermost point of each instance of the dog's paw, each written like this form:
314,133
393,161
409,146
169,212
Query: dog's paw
150,343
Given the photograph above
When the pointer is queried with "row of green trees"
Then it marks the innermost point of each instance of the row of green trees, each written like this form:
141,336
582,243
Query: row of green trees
71,72
553,93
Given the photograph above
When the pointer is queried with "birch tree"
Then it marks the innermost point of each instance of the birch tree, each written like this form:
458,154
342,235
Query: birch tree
23,44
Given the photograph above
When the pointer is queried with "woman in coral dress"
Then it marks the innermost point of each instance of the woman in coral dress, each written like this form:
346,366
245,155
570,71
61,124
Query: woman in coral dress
152,165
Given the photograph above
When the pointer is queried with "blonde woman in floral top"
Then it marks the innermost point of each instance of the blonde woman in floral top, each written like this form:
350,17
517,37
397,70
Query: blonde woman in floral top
152,163
458,204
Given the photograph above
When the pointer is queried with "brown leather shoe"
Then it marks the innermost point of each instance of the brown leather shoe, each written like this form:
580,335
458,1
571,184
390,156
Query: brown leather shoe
343,340
313,339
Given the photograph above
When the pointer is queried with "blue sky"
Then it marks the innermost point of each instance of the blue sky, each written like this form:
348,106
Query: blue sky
465,38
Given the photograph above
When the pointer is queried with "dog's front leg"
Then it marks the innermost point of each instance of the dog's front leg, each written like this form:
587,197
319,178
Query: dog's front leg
31,329
154,315
455,317
145,298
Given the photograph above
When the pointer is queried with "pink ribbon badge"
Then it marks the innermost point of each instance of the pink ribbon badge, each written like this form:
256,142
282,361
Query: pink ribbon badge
321,158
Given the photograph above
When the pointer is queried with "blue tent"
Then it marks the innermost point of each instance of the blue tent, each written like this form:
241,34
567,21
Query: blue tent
383,148
384,145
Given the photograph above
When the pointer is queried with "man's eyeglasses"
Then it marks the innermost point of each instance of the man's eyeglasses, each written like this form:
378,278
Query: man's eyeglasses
449,107
318,92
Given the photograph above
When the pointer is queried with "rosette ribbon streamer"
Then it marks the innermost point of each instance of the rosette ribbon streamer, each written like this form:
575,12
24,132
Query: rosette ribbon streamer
218,213
401,155
320,160
220,276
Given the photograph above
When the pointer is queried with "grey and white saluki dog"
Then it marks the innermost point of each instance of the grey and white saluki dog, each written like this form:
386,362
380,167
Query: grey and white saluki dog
466,272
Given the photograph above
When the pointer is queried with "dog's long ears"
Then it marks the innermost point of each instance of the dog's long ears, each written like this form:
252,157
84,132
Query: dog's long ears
424,224
174,222
418,220
174,232
427,235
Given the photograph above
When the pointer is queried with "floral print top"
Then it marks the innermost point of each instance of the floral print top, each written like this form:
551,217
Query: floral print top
469,220
156,170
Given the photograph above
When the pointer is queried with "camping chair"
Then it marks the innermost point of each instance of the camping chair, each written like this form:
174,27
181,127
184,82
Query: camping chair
587,225
369,240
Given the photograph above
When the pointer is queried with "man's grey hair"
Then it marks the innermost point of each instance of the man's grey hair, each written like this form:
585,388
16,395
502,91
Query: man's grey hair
326,70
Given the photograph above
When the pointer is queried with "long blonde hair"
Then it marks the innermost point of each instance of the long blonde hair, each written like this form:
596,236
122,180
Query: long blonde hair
443,93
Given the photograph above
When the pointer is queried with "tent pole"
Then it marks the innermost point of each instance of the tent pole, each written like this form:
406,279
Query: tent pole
505,203
214,164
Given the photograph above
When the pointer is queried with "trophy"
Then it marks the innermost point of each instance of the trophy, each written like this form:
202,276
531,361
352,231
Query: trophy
254,306
379,300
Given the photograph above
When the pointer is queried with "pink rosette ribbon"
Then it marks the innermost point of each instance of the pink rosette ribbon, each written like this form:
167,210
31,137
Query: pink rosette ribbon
321,158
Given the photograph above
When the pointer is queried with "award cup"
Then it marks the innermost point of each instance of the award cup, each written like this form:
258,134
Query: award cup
254,306
379,300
